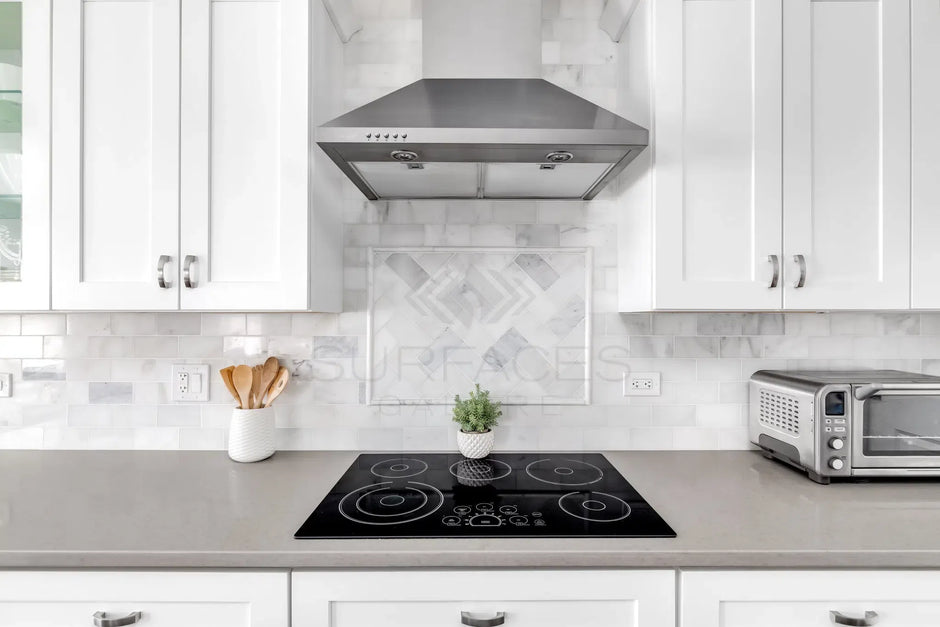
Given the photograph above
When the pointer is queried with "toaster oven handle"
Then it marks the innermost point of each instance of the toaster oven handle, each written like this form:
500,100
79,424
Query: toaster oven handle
863,392
841,619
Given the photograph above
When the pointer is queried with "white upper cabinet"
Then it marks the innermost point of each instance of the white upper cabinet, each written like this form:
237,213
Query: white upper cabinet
846,171
782,157
24,154
244,194
925,152
115,128
716,183
184,169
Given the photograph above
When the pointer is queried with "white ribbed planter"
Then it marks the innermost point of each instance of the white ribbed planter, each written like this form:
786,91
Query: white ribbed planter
251,434
475,445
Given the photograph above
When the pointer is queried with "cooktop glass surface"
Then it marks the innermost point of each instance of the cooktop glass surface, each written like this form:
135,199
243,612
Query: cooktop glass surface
517,495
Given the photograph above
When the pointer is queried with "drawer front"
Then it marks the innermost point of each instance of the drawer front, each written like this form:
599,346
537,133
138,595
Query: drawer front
526,598
807,598
517,613
58,614
817,614
164,598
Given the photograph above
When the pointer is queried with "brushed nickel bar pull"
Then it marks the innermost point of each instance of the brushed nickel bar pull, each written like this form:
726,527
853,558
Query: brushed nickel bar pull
162,281
775,260
466,619
841,619
801,260
189,279
102,620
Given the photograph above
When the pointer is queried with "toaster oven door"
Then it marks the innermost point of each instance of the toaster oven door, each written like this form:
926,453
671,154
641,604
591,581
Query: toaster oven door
896,426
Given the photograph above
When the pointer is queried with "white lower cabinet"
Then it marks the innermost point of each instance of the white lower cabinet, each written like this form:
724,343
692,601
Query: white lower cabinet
163,599
809,598
529,598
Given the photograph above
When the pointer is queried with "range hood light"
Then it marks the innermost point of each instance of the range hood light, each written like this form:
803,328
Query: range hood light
546,166
559,157
404,155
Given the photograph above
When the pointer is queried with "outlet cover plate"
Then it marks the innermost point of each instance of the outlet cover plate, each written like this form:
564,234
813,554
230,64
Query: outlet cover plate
189,383
6,384
641,384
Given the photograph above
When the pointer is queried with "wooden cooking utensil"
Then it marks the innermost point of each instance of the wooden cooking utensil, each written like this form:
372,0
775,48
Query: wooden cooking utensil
269,372
226,374
257,391
280,382
241,378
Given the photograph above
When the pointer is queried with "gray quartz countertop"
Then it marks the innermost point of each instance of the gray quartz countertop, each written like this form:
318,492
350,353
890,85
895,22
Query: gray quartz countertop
64,509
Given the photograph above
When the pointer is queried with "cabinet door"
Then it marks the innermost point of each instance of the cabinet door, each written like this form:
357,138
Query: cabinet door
527,598
164,599
847,154
717,153
806,598
25,66
244,199
115,128
925,153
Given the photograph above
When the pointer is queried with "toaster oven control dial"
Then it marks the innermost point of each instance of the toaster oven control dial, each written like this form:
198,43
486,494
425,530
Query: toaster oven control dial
836,463
836,444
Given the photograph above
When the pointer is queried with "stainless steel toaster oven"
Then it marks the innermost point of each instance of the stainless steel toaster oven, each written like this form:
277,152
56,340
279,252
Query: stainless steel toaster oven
849,424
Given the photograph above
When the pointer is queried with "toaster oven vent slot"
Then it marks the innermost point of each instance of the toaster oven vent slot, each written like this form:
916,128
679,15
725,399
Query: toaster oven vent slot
780,411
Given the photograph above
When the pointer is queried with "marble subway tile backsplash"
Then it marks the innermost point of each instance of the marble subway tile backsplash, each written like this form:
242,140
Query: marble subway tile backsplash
92,388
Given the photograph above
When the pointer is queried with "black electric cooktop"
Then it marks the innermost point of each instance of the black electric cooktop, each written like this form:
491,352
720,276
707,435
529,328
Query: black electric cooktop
505,495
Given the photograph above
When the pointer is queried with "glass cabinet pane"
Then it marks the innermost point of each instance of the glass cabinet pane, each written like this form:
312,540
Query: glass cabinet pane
11,128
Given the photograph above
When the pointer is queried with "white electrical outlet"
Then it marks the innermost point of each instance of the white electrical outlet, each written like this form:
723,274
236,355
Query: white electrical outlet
6,384
641,384
190,382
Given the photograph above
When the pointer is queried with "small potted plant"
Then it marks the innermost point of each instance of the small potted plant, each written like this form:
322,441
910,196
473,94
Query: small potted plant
477,415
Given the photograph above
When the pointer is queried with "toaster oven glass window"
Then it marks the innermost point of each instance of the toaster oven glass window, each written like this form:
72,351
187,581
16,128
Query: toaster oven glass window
901,426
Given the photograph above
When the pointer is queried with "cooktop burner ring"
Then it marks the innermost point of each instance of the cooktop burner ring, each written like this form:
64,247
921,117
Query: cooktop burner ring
359,507
592,506
562,470
475,470
423,510
399,468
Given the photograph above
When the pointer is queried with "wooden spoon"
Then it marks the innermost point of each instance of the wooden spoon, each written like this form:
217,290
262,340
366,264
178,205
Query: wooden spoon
280,382
241,378
268,373
226,374
256,390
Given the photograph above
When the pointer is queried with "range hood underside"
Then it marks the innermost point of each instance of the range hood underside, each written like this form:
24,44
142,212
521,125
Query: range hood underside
479,171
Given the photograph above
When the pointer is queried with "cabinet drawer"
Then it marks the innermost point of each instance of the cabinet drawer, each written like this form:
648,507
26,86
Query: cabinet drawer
518,613
806,598
526,598
164,599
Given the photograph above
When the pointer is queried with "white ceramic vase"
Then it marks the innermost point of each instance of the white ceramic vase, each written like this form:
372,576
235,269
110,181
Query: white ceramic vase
475,445
251,434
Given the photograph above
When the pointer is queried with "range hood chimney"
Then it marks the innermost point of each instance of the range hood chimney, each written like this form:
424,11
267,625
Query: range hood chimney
482,123
482,38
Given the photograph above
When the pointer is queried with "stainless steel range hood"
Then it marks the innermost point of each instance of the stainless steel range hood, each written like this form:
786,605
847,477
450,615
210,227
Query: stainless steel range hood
481,138
469,131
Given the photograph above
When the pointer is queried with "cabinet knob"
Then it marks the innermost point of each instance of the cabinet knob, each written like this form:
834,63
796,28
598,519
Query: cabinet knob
841,619
189,279
162,281
102,619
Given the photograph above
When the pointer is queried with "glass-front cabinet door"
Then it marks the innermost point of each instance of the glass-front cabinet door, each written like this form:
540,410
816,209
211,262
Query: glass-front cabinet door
24,154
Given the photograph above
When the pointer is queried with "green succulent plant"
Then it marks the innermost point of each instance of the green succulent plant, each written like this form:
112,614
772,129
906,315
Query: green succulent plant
477,413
